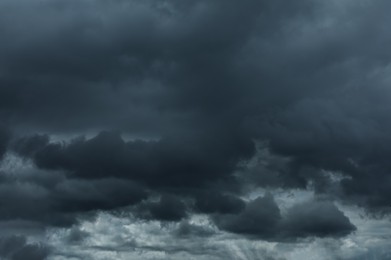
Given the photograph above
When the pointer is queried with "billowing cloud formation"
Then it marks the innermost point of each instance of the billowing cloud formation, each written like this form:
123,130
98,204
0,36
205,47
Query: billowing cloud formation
54,200
262,218
316,219
183,161
166,110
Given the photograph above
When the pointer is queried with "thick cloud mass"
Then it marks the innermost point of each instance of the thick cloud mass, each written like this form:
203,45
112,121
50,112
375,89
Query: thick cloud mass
174,110
4,139
183,161
168,208
262,218
214,202
316,219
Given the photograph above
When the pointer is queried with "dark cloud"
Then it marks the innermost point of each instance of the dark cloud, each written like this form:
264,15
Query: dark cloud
116,103
187,161
24,201
103,194
4,139
317,136
340,122
316,218
76,236
27,146
214,202
262,218
100,174
168,208
17,248
60,202
105,55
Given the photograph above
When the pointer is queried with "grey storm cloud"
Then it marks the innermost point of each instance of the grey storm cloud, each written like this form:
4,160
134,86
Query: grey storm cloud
4,139
215,202
187,160
171,109
17,248
262,218
167,208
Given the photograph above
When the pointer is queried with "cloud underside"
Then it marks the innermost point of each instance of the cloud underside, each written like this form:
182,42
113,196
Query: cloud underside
165,110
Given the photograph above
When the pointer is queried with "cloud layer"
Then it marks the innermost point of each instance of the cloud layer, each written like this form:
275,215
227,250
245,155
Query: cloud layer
168,110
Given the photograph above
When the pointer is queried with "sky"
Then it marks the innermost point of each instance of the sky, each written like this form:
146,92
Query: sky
195,129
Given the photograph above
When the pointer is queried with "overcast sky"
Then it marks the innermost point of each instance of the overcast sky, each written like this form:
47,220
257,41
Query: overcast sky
195,129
